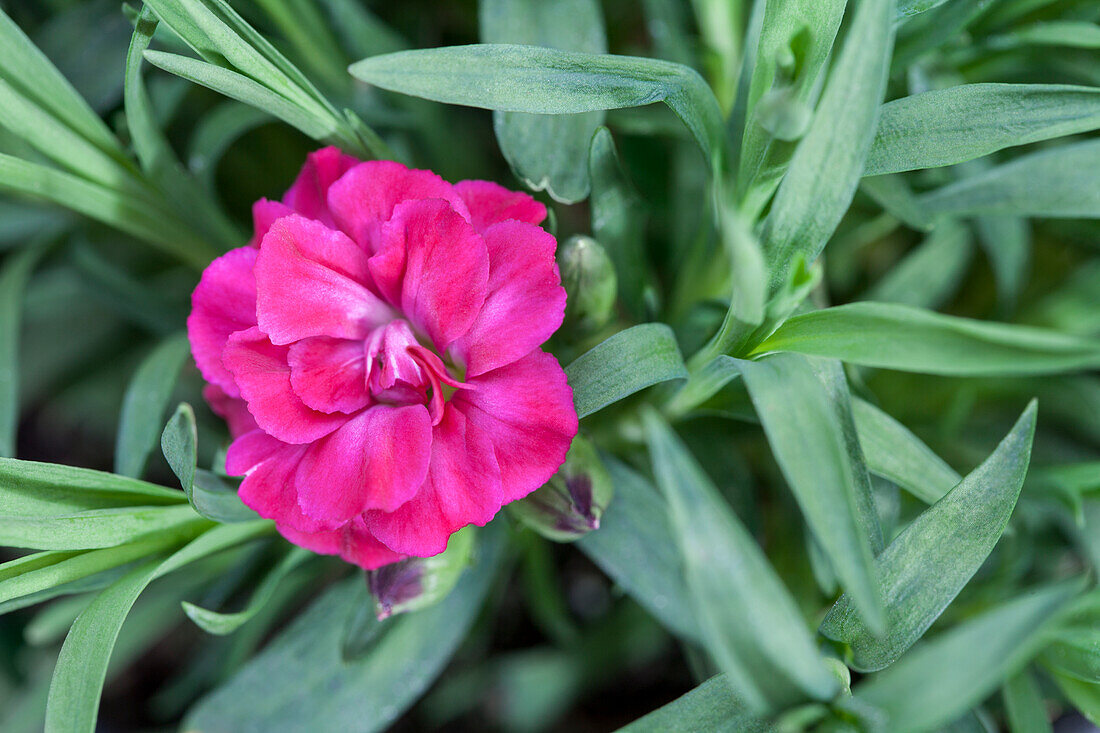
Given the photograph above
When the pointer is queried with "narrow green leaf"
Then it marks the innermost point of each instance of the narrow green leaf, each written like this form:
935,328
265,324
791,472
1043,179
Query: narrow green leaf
547,152
628,362
31,489
618,220
13,282
929,274
145,402
808,421
894,453
893,336
1066,33
215,497
1006,241
243,89
636,547
1024,705
301,682
82,665
752,625
926,566
893,194
826,168
709,707
92,528
914,7
1082,695
1050,183
179,443
545,81
220,624
948,126
948,675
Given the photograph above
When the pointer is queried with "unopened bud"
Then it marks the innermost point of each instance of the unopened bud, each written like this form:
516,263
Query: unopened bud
571,503
589,280
419,582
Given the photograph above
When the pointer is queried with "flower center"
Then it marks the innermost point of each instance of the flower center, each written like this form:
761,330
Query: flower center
402,371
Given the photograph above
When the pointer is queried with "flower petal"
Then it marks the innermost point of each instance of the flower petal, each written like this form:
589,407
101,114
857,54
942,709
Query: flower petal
377,460
490,203
462,487
233,410
264,214
364,198
438,264
526,411
223,302
353,542
525,302
329,374
261,371
310,281
308,195
268,487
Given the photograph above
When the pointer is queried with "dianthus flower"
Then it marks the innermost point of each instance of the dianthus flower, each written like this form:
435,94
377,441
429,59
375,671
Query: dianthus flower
375,352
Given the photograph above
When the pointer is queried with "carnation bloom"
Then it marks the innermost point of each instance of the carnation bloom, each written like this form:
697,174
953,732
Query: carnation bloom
375,352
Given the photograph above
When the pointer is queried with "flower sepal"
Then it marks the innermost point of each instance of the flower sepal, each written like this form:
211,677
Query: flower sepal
418,582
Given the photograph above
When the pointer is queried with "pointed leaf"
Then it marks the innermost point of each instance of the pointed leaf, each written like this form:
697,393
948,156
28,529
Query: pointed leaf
145,402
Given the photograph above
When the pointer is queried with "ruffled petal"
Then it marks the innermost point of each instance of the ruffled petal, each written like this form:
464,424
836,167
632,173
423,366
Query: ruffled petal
268,486
438,264
223,302
261,371
329,374
462,487
525,303
264,214
377,460
311,281
233,410
353,542
364,197
308,195
490,203
526,411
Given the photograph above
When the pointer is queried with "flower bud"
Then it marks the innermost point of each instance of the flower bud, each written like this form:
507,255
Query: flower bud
571,503
418,582
589,280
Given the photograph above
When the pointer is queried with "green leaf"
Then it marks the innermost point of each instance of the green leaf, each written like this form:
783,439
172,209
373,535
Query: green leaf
1024,705
1067,33
301,681
220,624
1006,241
547,152
795,40
31,489
209,494
913,7
13,282
92,528
1050,183
82,665
826,168
929,274
750,622
709,707
945,677
893,194
243,89
930,561
948,126
513,78
1082,695
618,220
636,547
627,362
894,453
804,408
145,402
893,336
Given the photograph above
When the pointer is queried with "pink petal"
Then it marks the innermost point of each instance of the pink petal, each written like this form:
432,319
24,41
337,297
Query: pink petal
329,374
223,302
462,487
490,203
233,410
353,542
526,410
525,303
268,487
261,371
377,460
445,270
264,214
310,281
308,195
364,197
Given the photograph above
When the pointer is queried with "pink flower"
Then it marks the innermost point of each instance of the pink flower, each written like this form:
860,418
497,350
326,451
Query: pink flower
375,352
